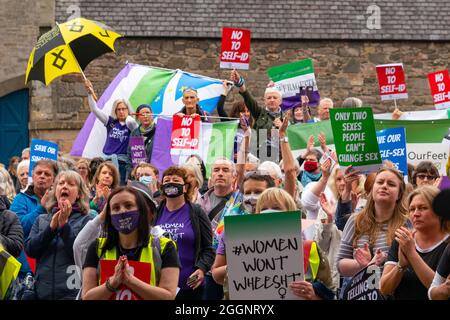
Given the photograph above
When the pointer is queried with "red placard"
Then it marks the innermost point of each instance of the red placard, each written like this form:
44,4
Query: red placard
141,270
185,132
235,52
440,89
391,79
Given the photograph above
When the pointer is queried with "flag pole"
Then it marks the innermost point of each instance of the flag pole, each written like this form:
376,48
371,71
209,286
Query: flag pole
171,115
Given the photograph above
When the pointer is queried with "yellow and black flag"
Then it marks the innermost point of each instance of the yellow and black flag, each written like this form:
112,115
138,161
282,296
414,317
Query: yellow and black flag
68,48
9,269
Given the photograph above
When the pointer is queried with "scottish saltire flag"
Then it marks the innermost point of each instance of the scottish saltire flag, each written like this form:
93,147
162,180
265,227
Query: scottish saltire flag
169,99
290,77
216,140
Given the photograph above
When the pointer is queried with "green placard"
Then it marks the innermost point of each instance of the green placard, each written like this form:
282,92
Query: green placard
355,138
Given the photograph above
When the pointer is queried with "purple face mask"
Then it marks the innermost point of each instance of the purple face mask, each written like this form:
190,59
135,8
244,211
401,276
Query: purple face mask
125,222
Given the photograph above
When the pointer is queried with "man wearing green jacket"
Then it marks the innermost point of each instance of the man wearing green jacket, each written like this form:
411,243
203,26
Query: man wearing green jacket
268,118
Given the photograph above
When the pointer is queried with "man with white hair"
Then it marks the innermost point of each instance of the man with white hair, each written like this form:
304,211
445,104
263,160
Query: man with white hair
273,170
266,118
323,110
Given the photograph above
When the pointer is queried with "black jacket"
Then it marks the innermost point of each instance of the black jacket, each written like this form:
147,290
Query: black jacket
53,251
204,252
11,232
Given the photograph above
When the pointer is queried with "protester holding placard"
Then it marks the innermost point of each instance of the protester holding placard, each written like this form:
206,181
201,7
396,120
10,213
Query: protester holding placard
414,255
106,179
51,239
368,234
267,118
146,129
191,106
190,227
119,126
130,264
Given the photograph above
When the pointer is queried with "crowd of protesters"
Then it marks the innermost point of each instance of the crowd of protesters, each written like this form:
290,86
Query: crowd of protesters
101,229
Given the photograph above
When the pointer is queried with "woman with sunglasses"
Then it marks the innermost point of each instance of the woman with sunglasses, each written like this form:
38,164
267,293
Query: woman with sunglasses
425,173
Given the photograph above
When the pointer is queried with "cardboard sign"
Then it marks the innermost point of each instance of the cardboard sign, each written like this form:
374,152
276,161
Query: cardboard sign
294,80
264,255
185,133
41,149
364,285
440,89
355,139
137,147
392,143
391,79
141,270
235,52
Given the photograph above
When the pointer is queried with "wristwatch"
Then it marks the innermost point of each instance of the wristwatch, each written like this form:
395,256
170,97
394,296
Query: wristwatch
285,139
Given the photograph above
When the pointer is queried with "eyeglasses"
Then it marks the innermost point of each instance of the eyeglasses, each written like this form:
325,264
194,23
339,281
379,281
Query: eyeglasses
423,176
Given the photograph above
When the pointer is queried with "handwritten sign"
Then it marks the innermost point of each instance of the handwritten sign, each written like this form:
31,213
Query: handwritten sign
137,147
440,89
392,143
355,139
364,285
41,149
391,80
235,52
264,254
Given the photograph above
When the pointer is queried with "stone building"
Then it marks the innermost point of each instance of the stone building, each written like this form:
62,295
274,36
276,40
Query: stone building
345,39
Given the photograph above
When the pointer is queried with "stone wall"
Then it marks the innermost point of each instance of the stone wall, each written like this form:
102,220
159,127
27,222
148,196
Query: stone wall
343,68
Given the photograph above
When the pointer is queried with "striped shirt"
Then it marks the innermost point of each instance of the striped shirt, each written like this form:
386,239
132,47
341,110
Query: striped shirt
346,249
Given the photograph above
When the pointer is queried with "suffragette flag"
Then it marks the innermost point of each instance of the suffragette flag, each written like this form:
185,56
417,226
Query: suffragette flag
289,78
160,88
216,140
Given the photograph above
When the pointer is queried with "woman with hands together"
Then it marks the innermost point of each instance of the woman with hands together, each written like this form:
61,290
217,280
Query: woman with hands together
414,255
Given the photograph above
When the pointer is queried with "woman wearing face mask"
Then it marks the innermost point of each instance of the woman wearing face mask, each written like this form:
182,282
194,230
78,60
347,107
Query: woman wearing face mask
129,264
119,125
148,174
52,236
146,130
190,227
311,166
278,200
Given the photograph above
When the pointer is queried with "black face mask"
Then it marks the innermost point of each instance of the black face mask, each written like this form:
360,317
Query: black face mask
172,190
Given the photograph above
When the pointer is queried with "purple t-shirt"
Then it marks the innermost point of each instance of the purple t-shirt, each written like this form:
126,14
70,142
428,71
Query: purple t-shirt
178,224
221,247
117,137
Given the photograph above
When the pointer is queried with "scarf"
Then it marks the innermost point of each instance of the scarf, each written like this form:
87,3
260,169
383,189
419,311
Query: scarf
75,208
309,177
147,133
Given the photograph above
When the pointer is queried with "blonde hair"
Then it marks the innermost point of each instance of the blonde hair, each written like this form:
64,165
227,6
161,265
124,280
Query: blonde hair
276,196
428,193
116,104
365,223
332,183
193,173
83,192
6,185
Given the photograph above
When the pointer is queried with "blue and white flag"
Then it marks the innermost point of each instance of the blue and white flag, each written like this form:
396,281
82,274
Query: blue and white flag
169,99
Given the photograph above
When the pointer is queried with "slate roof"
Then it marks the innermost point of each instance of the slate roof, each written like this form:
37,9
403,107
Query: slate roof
274,19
